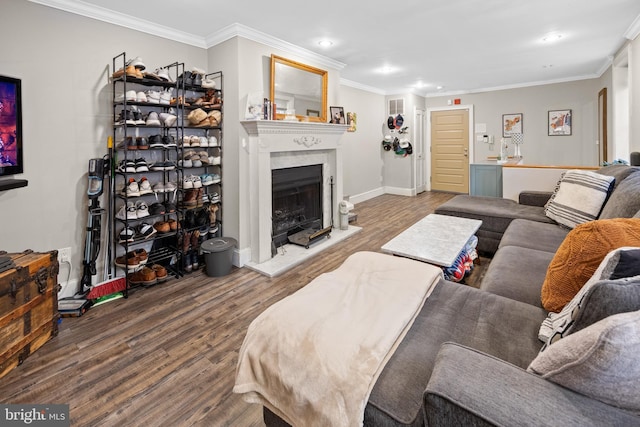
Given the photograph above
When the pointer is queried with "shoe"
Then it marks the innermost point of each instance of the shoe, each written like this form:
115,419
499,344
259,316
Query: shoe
216,178
146,230
184,141
132,211
170,187
169,118
187,264
137,63
169,207
173,224
186,163
162,227
130,95
155,141
153,97
145,186
197,183
213,141
187,182
152,119
163,166
161,272
122,213
128,261
215,160
141,97
125,118
195,141
131,143
159,187
142,255
157,209
204,157
142,143
142,209
168,141
126,235
208,83
190,198
206,179
137,116
195,160
140,165
197,79
131,189
127,166
186,78
165,97
214,197
204,141
145,277
163,73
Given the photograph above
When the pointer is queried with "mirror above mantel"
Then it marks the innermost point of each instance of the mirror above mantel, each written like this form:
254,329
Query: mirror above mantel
298,89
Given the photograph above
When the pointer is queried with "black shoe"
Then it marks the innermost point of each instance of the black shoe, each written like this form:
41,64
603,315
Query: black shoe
187,264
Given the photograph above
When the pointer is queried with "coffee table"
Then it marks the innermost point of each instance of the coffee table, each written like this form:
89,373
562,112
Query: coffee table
435,239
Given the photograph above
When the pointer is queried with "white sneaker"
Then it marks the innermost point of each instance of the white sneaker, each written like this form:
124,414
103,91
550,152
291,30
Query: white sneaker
208,83
197,183
214,160
213,141
145,186
153,97
131,189
130,95
169,119
141,97
142,210
215,177
187,182
206,179
165,97
126,235
195,141
163,73
159,187
131,211
152,119
137,62
204,141
122,213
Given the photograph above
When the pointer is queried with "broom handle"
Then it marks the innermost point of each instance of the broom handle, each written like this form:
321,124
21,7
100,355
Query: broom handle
108,263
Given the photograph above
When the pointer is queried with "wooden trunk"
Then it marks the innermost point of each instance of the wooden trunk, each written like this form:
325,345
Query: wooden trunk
28,306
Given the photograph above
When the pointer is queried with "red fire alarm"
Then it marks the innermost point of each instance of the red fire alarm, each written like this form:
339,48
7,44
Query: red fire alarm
456,101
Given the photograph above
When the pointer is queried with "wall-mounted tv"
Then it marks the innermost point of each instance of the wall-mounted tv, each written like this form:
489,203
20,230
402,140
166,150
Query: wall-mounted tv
10,126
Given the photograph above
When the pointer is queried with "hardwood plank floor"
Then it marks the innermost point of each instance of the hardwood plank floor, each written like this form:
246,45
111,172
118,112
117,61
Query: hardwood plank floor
167,355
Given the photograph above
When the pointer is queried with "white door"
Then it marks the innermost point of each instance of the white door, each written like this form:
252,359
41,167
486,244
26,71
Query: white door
418,144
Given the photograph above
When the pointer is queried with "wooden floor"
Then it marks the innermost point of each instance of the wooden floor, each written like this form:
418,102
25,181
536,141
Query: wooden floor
167,355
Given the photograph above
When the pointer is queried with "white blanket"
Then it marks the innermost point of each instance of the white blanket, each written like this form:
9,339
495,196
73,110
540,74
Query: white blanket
313,357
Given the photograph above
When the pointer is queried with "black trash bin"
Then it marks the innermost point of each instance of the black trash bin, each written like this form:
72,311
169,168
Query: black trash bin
218,255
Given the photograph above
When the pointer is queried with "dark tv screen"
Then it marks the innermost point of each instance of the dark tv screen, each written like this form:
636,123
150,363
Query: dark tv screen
10,126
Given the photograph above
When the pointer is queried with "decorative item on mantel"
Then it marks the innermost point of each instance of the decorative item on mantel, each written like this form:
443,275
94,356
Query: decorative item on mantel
504,152
517,139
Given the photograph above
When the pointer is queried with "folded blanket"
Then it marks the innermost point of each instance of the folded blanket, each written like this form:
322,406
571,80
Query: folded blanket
313,357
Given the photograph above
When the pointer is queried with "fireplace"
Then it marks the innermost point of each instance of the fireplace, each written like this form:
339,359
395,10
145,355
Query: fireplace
296,201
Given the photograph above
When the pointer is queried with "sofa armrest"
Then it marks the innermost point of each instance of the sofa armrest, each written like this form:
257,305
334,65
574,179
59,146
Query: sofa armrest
471,388
534,198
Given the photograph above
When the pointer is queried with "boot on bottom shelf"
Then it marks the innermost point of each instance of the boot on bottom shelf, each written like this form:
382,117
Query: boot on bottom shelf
187,263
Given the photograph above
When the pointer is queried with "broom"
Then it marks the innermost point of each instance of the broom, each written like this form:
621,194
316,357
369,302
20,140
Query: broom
101,292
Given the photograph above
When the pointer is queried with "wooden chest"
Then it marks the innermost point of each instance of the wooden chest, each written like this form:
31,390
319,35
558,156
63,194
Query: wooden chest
28,306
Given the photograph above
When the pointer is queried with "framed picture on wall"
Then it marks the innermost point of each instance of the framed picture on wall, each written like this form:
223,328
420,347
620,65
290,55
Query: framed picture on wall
351,121
511,123
559,122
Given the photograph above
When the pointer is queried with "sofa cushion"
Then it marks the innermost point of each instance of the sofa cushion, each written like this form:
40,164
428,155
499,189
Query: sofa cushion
624,202
460,314
621,264
578,197
581,253
618,171
600,361
534,235
517,273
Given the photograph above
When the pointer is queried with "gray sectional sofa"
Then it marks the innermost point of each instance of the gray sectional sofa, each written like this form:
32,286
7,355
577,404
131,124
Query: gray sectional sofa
464,360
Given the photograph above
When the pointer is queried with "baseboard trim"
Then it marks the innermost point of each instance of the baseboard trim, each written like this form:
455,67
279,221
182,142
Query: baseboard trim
362,197
400,191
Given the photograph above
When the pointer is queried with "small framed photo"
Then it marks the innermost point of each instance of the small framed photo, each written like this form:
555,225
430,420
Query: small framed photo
313,113
511,123
559,122
351,121
337,115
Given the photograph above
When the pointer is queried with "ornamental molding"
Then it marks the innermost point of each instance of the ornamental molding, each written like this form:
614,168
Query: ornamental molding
307,141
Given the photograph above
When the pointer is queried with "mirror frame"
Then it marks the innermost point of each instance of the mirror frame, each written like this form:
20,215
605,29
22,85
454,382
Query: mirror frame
275,59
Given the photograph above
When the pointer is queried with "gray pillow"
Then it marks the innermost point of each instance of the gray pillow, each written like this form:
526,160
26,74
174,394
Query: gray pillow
600,361
618,171
624,202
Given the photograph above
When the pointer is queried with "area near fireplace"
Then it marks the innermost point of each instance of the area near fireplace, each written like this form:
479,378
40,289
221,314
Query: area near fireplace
275,145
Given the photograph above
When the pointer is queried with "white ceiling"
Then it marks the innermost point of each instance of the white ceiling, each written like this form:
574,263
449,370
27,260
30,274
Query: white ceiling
462,45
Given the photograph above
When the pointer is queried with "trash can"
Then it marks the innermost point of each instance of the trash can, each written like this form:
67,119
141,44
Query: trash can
218,255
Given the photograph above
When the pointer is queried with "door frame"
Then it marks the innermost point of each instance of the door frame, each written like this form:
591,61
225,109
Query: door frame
428,137
419,187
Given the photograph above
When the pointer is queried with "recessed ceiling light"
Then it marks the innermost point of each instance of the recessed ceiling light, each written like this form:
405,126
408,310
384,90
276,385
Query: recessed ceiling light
325,43
551,38
387,69
439,87
547,66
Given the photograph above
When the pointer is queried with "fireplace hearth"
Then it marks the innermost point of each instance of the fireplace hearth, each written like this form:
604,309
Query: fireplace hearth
297,195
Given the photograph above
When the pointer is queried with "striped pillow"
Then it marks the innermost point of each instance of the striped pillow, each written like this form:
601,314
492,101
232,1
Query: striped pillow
578,197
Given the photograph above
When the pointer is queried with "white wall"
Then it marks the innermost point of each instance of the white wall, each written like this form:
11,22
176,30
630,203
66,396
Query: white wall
362,149
579,149
64,65
634,92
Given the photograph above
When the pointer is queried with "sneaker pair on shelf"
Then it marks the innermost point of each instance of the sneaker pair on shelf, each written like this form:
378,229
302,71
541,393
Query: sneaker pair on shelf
210,178
132,211
191,181
163,166
132,259
142,232
137,188
133,166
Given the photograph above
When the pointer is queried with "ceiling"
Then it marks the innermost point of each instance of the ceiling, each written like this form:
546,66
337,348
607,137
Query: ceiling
461,45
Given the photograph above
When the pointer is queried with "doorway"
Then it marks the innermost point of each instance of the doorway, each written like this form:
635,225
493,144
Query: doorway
450,150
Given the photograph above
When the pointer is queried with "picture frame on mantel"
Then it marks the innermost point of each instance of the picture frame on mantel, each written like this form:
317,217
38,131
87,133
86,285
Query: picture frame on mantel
511,123
351,121
560,122
337,115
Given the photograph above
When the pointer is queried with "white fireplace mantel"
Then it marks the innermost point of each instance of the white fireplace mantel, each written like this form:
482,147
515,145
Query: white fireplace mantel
277,143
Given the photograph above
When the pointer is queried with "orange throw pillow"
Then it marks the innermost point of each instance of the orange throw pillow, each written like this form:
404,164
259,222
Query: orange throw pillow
580,254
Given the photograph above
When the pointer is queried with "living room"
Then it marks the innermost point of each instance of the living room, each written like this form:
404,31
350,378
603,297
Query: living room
66,69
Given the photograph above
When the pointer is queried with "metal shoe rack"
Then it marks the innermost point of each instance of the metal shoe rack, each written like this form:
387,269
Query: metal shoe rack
164,248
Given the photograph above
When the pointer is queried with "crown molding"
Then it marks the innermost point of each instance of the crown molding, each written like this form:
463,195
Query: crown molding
239,30
515,86
101,14
633,30
356,85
